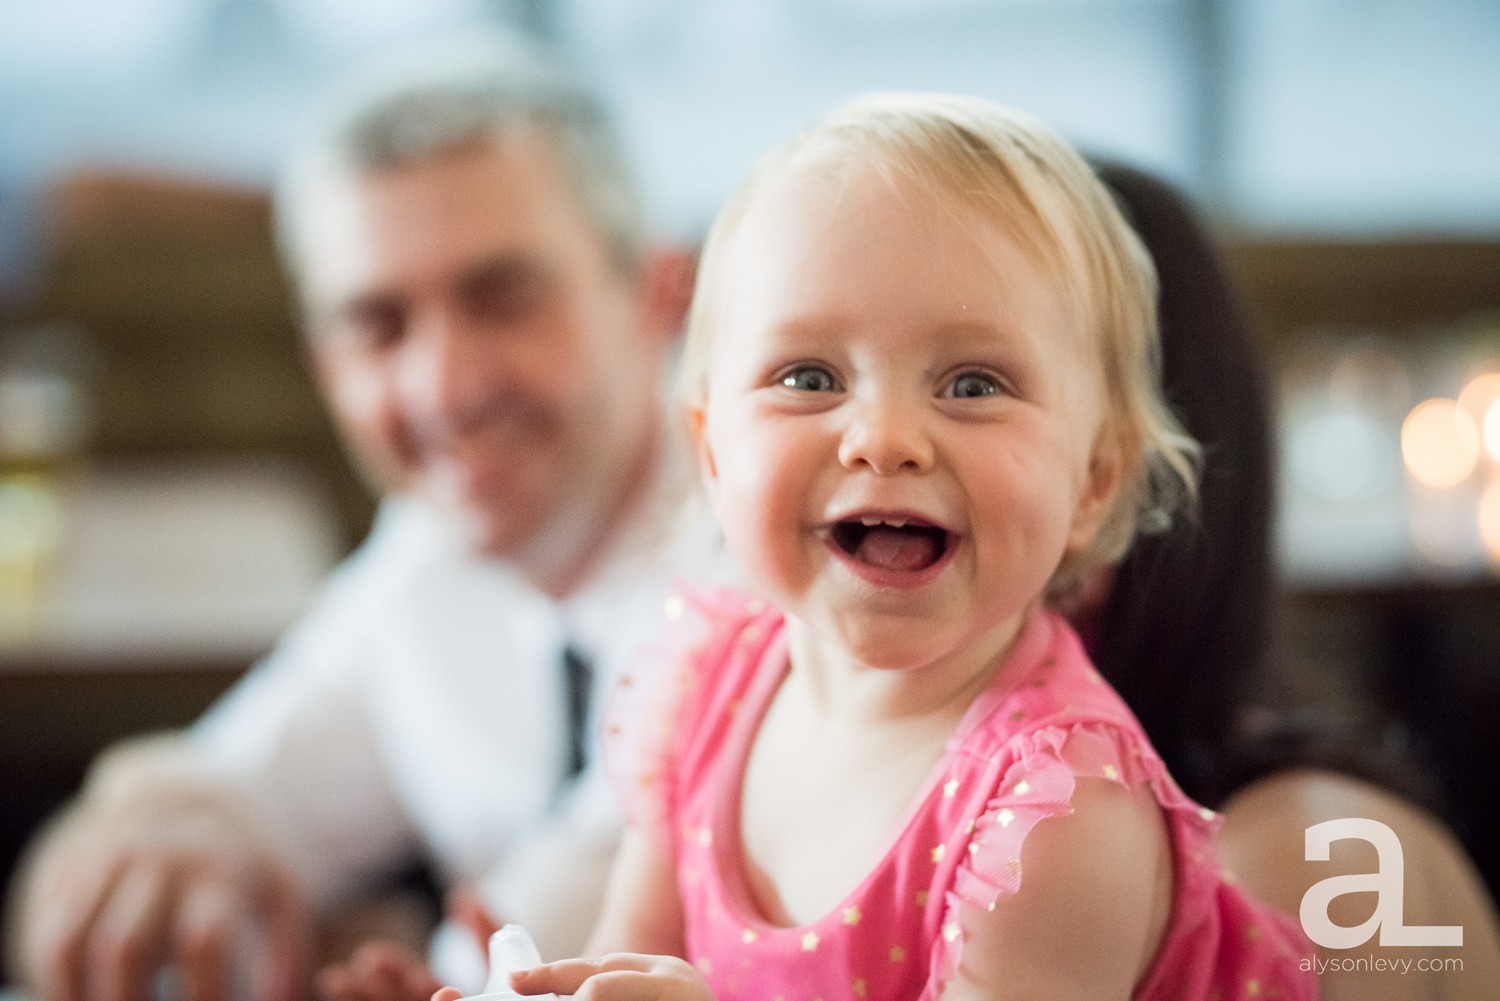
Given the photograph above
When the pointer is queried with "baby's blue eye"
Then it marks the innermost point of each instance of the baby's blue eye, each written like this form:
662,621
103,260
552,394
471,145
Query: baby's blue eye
810,379
973,384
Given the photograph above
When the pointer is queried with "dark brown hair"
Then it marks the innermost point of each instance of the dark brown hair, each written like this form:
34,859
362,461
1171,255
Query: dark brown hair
1184,634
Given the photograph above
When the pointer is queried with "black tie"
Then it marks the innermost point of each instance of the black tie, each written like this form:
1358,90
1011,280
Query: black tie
580,677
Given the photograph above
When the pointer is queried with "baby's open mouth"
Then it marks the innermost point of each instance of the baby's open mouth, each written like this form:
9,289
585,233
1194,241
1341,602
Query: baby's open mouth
891,544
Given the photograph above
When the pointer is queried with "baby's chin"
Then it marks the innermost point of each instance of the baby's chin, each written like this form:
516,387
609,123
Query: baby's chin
896,643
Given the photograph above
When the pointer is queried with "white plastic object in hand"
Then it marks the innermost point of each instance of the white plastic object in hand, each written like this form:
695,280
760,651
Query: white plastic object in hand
511,949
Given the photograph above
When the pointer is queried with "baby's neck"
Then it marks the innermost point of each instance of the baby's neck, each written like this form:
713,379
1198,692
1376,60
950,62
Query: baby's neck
844,749
841,690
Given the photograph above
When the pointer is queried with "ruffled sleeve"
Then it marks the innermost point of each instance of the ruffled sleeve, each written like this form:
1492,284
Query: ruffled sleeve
1037,783
662,696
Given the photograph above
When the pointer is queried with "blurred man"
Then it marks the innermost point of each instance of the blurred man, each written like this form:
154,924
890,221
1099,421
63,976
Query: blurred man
490,331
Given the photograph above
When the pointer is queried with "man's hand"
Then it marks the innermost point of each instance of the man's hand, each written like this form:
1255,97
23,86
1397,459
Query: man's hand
379,971
393,971
467,909
119,892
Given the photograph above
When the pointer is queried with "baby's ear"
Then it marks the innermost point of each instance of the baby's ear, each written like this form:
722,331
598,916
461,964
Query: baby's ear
696,417
1103,481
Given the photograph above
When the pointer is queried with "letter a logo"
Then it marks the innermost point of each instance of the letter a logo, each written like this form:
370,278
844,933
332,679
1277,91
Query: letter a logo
1387,883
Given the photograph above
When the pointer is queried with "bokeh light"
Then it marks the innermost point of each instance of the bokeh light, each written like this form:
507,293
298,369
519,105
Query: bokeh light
1489,519
1440,443
1479,393
1492,430
1480,399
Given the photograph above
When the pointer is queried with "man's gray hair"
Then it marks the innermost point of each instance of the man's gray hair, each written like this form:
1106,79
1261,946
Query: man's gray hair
480,90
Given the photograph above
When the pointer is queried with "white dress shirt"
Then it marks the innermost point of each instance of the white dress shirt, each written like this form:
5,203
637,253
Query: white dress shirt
421,704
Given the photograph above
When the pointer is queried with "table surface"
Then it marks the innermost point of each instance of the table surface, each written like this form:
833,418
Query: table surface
173,562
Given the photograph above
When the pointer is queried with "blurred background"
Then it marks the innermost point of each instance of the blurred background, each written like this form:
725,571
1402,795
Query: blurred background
170,490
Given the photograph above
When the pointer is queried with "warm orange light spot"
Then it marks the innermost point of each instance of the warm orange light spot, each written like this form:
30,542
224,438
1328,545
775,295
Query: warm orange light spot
1489,519
1481,401
1479,392
1492,430
1439,443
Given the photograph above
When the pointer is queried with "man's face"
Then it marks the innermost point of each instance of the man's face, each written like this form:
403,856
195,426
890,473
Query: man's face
478,346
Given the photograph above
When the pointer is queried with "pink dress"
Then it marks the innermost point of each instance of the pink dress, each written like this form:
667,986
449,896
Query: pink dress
680,743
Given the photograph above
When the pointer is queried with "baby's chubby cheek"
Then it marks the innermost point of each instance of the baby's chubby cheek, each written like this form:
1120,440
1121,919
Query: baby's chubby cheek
755,530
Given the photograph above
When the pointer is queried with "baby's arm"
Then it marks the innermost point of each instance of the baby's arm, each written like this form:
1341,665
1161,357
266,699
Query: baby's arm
638,940
1093,902
642,909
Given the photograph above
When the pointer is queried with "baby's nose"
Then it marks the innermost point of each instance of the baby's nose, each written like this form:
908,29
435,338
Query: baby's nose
886,438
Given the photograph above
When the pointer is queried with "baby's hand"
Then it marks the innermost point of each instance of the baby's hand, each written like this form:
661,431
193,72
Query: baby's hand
619,976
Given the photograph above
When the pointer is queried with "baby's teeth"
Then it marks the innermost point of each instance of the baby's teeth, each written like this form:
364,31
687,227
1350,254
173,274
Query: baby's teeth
870,521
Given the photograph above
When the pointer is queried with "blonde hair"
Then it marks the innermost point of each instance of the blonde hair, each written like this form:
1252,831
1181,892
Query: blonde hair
1010,168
